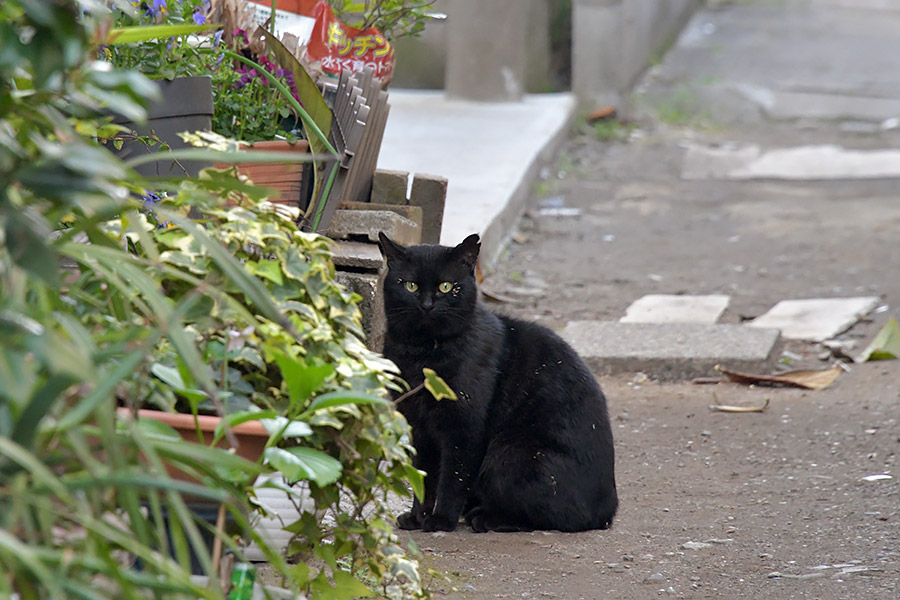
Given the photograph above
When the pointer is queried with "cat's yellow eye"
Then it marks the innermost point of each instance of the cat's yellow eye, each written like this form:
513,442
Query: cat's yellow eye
412,286
445,287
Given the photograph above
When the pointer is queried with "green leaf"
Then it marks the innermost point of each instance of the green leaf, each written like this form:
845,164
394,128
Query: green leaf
342,397
886,344
39,407
302,380
27,234
203,457
155,429
437,386
171,377
347,587
266,269
295,265
231,157
231,267
416,479
28,556
102,392
145,33
245,416
301,464
287,427
310,96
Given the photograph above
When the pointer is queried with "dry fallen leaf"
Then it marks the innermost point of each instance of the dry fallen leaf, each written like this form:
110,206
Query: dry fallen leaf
604,112
803,378
737,409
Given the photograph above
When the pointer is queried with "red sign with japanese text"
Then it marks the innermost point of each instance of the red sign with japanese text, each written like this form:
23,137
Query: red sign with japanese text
339,47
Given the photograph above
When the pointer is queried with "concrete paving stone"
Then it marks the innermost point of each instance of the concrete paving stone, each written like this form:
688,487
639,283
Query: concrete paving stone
668,308
818,162
801,105
366,224
815,319
672,351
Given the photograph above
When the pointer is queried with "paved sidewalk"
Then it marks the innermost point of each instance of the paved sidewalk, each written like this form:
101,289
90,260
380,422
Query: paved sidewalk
490,153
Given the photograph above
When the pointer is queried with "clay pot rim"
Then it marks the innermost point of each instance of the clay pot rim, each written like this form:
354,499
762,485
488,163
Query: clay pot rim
206,423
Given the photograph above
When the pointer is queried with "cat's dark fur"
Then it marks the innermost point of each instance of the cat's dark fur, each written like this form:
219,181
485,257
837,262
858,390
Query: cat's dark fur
528,444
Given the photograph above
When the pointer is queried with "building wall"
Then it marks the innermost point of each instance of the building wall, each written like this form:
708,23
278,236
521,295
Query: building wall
495,49
614,41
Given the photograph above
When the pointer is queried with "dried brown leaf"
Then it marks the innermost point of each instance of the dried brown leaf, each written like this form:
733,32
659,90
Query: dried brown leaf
801,378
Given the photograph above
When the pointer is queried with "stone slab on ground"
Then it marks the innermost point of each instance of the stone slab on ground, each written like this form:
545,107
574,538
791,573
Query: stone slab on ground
817,162
669,308
815,319
672,351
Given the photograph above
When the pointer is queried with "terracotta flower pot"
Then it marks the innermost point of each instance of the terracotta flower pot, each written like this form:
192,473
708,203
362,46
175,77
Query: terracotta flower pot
290,180
251,436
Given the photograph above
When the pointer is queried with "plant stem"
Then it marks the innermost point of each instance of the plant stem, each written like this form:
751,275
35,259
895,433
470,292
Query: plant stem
304,116
411,392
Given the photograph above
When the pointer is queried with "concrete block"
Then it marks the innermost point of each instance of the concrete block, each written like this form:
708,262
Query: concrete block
674,351
816,319
365,224
368,286
430,193
390,187
665,308
357,256
413,213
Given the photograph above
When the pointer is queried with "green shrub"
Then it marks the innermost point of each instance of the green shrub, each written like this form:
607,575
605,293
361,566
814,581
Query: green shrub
101,306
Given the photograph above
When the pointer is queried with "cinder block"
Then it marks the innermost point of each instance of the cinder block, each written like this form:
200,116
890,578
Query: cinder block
413,213
365,224
368,286
430,192
672,351
357,256
390,187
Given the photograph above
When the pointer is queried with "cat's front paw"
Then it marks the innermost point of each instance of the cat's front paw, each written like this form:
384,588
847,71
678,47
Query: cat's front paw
477,520
409,520
438,523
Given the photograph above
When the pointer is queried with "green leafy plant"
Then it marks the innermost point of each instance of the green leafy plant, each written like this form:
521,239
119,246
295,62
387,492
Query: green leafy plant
165,39
102,304
393,18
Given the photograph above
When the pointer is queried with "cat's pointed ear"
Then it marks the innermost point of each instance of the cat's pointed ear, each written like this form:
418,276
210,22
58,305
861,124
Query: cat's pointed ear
467,251
390,249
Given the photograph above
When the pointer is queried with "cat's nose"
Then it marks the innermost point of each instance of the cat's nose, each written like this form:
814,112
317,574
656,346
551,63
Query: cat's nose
427,305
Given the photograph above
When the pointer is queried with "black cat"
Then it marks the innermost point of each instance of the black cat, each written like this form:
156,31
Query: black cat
528,444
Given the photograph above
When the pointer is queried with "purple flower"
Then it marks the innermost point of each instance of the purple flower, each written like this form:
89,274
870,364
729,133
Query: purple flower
199,19
150,198
158,7
217,39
